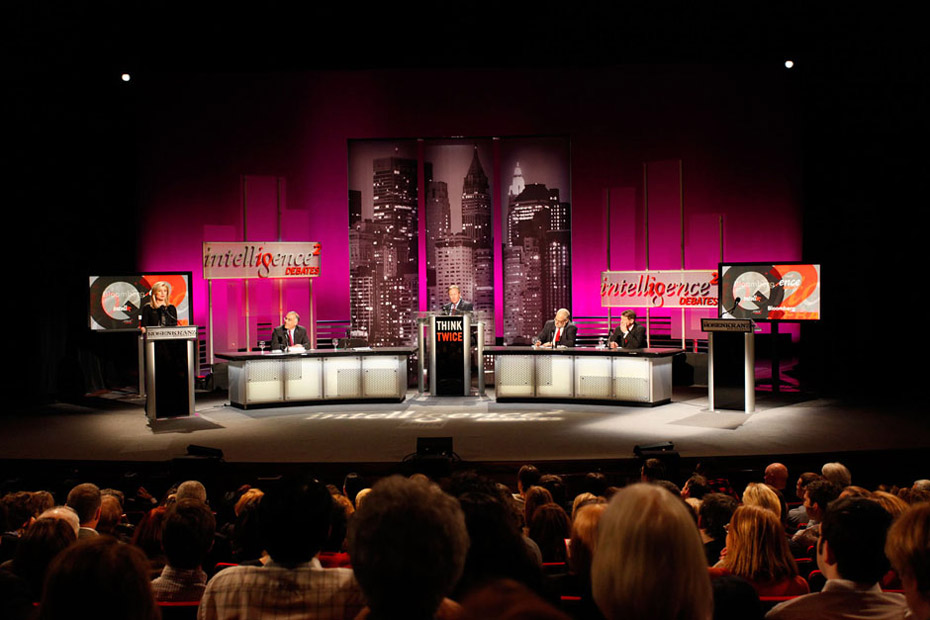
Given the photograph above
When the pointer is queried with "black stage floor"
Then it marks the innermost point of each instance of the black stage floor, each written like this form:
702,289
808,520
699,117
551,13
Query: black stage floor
483,430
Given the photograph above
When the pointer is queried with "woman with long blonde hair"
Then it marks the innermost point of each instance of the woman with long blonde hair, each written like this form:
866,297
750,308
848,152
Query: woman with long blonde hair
757,550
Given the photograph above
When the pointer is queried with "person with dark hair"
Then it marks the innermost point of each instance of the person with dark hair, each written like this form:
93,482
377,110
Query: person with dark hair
713,517
736,599
498,549
527,477
98,577
17,510
21,578
817,497
556,486
908,549
147,537
187,535
352,484
798,515
293,518
595,483
85,499
653,469
851,555
629,334
408,544
549,529
535,497
696,487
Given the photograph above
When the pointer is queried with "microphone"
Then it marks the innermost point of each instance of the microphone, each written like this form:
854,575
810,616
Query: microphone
733,307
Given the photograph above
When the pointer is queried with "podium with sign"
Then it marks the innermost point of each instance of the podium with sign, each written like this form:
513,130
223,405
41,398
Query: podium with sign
169,371
450,355
731,368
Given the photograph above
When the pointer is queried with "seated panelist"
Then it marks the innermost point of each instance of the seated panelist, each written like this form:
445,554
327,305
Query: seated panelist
629,334
558,332
290,334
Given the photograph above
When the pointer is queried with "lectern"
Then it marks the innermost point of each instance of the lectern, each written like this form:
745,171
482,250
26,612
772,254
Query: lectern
731,368
169,371
450,355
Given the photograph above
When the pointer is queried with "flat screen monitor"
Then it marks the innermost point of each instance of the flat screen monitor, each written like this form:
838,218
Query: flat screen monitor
116,301
785,291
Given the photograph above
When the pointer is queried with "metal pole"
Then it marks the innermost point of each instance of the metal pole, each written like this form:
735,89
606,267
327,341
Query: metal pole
210,329
681,218
646,220
480,333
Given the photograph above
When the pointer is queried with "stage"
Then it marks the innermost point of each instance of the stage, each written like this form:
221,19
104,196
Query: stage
115,429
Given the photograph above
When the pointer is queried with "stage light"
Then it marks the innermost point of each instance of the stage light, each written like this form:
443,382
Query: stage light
789,64
125,77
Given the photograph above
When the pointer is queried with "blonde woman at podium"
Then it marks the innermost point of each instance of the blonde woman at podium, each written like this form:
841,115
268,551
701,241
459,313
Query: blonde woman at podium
158,312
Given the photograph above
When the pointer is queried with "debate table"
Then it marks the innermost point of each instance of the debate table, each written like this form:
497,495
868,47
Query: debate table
642,376
317,375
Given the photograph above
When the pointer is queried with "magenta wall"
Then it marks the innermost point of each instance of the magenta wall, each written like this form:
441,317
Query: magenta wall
735,132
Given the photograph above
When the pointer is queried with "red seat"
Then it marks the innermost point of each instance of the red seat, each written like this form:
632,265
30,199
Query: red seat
770,601
185,610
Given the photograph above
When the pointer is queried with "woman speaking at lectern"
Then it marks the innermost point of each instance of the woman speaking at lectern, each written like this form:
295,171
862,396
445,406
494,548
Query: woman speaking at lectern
158,312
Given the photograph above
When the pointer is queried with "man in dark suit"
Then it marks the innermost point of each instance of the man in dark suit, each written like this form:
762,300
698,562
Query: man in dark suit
558,332
289,334
456,304
629,334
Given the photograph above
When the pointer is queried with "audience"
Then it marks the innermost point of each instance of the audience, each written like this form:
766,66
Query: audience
757,550
497,550
908,549
85,499
22,577
649,563
549,529
776,476
817,497
713,517
582,543
838,474
98,577
187,535
798,516
408,545
294,517
500,569
850,553
762,495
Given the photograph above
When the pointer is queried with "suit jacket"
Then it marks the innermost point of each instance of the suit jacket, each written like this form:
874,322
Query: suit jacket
279,338
635,338
463,307
566,338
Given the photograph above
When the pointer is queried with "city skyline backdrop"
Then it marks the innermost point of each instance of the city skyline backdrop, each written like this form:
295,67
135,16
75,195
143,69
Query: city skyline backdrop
512,267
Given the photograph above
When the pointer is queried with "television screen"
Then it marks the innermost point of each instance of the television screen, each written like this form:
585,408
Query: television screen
116,301
769,291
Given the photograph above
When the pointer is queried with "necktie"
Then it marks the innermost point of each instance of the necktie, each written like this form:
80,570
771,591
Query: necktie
290,337
558,333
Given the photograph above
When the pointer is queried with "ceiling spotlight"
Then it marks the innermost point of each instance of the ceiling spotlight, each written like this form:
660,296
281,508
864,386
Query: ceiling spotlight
789,64
125,77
